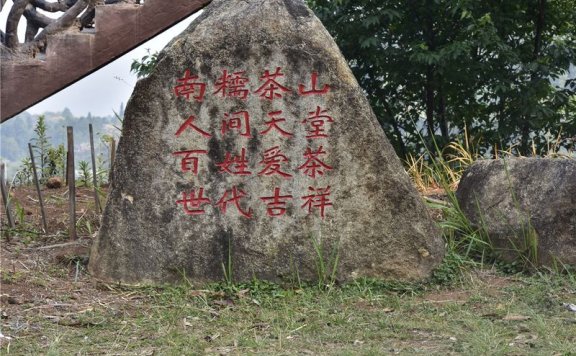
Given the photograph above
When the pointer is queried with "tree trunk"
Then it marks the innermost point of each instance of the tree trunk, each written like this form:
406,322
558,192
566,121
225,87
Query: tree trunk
430,72
14,16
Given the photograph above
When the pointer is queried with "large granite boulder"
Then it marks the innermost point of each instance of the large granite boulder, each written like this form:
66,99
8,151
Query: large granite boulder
525,205
249,145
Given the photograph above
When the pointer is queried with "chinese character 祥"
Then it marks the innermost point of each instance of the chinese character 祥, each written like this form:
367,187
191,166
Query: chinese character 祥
273,124
235,165
189,123
276,204
237,121
319,199
313,164
271,89
189,163
192,204
237,194
273,157
302,88
190,86
232,85
317,119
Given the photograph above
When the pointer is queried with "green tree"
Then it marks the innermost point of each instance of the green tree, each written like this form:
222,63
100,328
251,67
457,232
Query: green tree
436,67
41,146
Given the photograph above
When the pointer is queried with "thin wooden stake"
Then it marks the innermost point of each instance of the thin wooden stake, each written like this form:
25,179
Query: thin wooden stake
5,199
94,177
37,183
71,179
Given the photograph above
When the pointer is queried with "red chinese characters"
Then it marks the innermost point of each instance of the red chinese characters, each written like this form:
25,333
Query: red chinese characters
314,91
189,85
272,160
313,165
273,124
233,197
189,123
271,89
316,121
192,204
318,199
232,85
189,162
276,204
235,165
239,121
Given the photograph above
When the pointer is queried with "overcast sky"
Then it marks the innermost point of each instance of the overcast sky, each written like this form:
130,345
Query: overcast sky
104,90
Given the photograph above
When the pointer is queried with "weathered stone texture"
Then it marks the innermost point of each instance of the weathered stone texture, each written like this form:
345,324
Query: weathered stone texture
512,198
377,221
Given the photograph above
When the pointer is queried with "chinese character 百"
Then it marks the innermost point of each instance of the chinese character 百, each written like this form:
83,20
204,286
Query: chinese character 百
237,121
302,88
271,89
237,194
276,204
190,86
189,123
189,163
235,165
272,158
273,124
317,119
313,164
319,199
192,204
232,85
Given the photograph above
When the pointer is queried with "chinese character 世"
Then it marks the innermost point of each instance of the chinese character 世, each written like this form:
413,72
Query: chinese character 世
190,86
237,121
189,123
232,85
273,124
237,194
189,163
235,165
192,204
276,204
313,164
319,199
271,89
302,88
317,119
273,157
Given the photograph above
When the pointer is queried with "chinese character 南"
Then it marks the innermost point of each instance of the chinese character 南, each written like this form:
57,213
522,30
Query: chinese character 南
192,204
318,199
189,85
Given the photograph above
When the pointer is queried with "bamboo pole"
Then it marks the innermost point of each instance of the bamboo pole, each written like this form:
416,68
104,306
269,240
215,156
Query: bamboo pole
6,199
94,177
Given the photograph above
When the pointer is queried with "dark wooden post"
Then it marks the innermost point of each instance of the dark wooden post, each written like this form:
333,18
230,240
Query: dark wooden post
5,198
94,177
112,158
37,183
71,179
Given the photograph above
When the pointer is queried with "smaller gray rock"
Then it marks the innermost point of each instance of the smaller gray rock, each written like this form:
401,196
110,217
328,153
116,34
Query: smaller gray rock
524,200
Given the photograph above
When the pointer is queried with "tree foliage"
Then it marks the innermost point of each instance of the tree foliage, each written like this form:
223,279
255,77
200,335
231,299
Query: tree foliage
494,69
